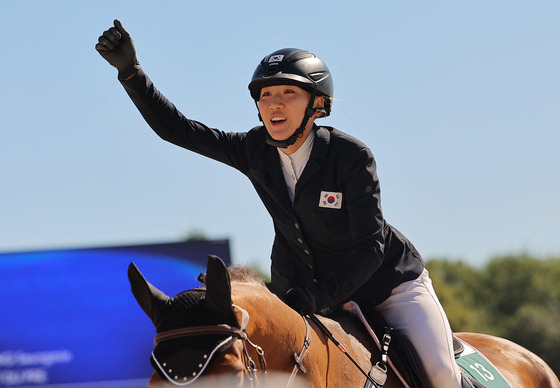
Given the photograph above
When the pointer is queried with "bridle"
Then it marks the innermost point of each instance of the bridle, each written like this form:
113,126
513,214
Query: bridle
250,368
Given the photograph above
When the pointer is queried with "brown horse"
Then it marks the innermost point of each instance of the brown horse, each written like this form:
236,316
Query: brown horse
230,331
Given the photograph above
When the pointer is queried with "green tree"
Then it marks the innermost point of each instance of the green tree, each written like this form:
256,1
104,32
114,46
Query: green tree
454,283
511,282
195,235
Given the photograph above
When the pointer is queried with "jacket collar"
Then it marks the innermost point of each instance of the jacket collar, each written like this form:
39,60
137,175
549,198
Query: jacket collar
317,157
320,143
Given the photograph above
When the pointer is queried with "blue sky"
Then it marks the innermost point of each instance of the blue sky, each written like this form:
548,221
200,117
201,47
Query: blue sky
459,102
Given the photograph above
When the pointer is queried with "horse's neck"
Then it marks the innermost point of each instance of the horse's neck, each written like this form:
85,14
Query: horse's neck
272,325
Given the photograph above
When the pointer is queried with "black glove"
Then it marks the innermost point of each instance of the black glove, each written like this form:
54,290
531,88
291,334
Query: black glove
117,47
301,300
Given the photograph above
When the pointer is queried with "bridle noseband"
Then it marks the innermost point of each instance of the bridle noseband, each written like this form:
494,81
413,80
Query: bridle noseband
239,333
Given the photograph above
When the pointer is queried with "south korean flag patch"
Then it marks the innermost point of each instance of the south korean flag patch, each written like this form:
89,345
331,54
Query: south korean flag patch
276,58
331,200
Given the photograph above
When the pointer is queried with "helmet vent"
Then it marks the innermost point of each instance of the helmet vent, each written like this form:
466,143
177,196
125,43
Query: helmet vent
318,76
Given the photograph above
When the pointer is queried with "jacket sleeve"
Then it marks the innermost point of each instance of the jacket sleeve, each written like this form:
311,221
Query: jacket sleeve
171,125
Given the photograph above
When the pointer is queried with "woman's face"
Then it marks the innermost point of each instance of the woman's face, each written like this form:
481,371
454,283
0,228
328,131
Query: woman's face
282,108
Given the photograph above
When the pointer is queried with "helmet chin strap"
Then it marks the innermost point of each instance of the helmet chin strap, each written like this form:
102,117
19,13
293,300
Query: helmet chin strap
309,112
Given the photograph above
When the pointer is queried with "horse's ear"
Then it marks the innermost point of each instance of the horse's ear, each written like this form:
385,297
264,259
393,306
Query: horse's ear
152,300
218,288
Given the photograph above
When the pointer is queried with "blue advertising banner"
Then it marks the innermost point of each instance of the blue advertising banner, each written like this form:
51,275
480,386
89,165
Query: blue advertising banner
68,317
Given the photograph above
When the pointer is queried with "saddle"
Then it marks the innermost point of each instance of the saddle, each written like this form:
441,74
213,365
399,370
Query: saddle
402,355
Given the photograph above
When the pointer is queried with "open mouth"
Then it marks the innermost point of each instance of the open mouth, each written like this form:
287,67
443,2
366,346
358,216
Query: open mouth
277,120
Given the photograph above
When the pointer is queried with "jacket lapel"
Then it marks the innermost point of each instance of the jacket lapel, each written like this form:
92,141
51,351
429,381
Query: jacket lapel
276,176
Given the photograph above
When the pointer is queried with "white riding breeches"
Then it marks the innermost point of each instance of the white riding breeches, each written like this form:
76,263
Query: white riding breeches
414,309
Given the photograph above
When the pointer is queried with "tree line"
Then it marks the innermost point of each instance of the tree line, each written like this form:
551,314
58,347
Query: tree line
515,297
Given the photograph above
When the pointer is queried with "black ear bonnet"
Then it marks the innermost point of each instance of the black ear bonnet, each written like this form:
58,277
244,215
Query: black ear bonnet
181,360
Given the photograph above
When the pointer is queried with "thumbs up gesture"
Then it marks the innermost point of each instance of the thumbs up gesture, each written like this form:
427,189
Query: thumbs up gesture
117,47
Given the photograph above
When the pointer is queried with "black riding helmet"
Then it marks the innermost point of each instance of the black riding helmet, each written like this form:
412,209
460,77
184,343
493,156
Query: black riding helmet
301,68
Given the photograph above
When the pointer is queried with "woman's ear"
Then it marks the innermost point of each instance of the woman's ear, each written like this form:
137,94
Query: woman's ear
319,105
319,102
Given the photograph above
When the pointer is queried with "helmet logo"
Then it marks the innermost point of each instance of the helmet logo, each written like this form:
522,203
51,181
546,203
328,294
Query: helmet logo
276,58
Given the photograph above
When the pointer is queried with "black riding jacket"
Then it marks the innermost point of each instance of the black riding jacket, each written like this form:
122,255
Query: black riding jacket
333,239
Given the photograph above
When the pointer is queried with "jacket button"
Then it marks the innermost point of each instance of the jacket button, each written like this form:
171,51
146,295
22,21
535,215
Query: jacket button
310,266
296,225
300,240
307,253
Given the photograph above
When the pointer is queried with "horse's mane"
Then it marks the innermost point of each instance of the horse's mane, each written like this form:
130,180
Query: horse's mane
244,274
